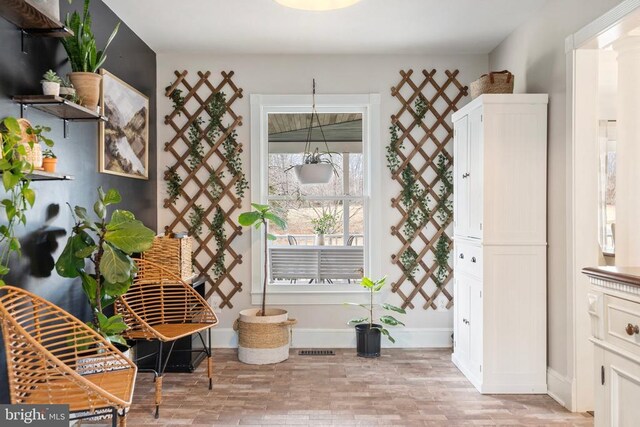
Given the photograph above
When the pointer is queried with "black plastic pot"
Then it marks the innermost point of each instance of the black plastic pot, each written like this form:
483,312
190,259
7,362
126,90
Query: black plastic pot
368,340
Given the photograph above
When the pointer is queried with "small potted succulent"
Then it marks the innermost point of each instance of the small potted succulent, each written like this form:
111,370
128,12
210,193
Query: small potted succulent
66,89
49,160
51,83
368,333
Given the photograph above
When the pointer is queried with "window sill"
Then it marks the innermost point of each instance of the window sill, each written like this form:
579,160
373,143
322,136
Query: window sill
313,295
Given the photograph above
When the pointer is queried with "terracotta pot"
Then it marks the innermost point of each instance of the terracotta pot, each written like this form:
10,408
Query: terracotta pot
49,164
88,88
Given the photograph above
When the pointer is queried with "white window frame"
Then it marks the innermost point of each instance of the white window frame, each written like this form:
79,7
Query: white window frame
369,106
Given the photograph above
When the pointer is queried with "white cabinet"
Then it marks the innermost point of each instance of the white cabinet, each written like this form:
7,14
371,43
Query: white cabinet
614,307
500,173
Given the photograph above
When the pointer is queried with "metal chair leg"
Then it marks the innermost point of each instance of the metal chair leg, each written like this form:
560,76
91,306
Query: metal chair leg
158,380
114,417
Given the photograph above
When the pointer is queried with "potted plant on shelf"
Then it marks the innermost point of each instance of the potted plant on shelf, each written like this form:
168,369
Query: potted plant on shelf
67,90
99,253
49,160
51,83
263,334
84,56
368,333
322,225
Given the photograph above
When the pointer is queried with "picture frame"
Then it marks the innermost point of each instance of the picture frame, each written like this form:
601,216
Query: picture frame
124,138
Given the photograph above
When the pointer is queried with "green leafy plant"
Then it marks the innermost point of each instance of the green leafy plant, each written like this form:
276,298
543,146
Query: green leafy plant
19,197
216,184
234,163
51,76
177,98
174,181
81,48
196,151
420,107
409,261
48,154
415,201
445,210
325,224
216,108
219,234
393,149
196,219
262,216
374,287
104,246
441,256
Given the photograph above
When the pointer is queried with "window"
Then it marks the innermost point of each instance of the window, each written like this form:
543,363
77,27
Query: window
325,249
607,186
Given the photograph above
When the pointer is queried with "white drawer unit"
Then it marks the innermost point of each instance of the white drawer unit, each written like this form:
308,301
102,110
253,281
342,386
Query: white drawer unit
500,151
614,307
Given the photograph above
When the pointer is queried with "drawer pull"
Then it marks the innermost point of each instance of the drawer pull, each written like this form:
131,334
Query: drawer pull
632,329
473,259
461,256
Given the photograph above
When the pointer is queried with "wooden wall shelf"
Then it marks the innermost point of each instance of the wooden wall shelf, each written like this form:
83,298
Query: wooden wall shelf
58,107
32,20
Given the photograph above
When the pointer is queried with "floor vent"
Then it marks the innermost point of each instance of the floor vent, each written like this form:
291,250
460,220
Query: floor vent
316,353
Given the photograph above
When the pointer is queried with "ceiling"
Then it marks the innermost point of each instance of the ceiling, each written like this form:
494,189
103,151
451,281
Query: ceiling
369,27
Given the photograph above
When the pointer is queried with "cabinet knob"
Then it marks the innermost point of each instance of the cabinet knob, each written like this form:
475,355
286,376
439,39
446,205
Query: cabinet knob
473,259
461,256
632,329
465,175
465,321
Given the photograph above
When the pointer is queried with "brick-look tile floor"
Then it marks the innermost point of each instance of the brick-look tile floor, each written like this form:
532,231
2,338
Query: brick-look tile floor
401,388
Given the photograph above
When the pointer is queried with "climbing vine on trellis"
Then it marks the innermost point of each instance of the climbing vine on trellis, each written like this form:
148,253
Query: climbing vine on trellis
206,180
419,158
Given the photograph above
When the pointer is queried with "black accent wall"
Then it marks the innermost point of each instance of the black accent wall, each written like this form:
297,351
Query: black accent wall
49,222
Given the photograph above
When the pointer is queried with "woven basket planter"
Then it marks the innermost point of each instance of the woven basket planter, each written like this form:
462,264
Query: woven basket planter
263,340
494,82
33,154
173,254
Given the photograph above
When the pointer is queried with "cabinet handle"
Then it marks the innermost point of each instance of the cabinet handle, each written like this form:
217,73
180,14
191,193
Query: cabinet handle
473,259
461,256
632,329
465,175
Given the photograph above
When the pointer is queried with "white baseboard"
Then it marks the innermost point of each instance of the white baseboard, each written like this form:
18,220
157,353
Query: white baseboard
346,338
559,388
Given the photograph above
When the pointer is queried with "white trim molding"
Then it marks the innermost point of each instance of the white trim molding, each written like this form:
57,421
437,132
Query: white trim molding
426,338
559,387
369,106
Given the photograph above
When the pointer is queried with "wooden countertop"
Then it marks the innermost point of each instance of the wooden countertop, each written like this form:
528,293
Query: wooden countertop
627,275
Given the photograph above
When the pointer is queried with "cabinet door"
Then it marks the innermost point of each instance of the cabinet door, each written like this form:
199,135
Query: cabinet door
621,390
460,177
461,336
475,327
474,179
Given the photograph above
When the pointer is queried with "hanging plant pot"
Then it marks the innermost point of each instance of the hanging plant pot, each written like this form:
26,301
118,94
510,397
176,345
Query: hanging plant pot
318,173
368,340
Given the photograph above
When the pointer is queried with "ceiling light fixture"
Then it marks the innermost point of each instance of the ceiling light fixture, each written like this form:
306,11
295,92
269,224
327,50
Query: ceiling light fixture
317,5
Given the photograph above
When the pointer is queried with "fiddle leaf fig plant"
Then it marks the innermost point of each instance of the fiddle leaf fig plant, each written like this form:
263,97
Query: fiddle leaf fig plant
261,217
99,253
386,319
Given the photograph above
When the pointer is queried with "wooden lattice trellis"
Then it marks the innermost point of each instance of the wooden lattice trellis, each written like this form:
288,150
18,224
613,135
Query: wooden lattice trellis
194,189
421,139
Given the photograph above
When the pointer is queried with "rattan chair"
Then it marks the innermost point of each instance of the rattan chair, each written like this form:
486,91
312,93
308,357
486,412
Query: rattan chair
54,358
160,306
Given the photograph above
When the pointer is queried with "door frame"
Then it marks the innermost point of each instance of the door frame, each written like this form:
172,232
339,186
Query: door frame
580,169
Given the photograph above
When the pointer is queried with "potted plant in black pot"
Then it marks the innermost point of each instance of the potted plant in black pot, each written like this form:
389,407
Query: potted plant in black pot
368,331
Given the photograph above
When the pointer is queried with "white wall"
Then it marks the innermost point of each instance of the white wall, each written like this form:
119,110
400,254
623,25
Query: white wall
535,53
282,74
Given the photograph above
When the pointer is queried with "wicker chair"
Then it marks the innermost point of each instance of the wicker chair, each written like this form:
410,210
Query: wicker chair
160,306
54,358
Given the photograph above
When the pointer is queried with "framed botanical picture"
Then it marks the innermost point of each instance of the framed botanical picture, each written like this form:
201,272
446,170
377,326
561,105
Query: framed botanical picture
124,138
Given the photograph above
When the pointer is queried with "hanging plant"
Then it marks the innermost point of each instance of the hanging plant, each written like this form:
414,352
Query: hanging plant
196,152
174,181
393,158
216,108
219,234
412,192
216,184
19,196
196,218
409,261
421,107
234,163
445,204
441,257
177,98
